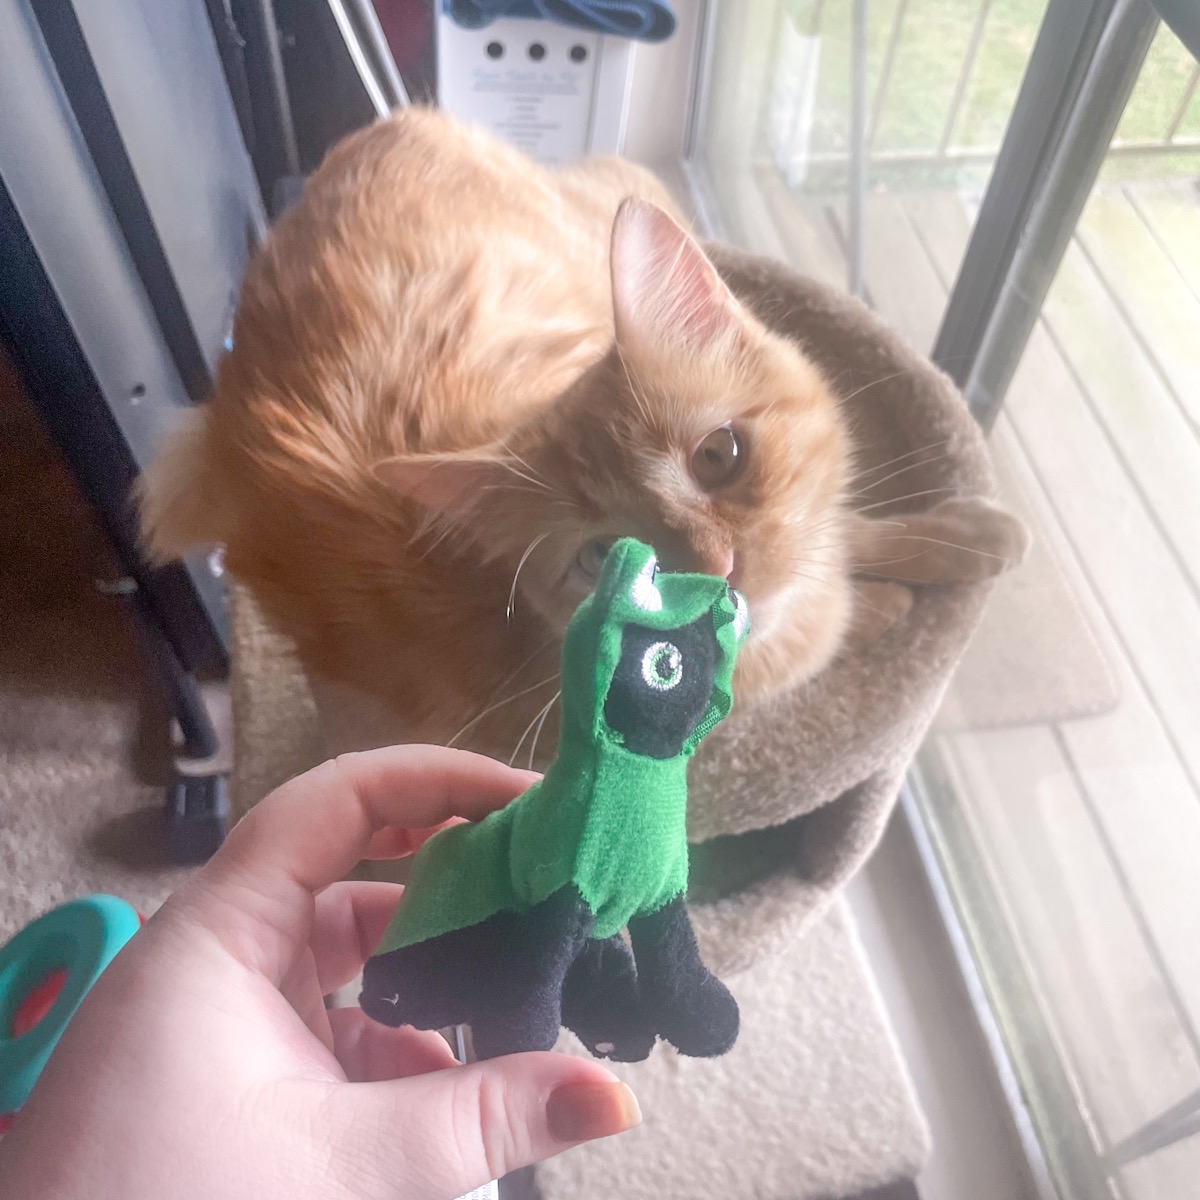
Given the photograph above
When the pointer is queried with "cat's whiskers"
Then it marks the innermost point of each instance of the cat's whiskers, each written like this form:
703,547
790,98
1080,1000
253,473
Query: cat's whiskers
538,483
925,462
918,537
875,383
513,674
799,574
512,592
830,521
910,496
883,466
540,714
532,476
537,733
859,601
491,708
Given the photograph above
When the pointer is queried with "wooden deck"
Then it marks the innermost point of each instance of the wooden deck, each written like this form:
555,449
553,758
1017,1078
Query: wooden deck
1088,824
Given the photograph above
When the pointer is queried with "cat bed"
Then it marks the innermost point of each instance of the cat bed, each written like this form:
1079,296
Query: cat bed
787,799
787,802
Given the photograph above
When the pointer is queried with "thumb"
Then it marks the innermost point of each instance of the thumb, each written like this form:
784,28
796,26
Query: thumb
438,1136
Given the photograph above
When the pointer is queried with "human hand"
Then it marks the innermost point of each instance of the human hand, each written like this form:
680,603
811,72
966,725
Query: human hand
204,1066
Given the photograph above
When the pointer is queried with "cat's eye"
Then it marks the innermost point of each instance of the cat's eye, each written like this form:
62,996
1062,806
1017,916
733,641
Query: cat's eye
718,460
592,554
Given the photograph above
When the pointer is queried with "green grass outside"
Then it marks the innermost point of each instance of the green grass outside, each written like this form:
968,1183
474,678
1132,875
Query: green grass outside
930,53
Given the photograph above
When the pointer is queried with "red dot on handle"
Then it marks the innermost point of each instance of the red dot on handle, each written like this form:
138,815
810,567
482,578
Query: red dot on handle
38,1002
6,1120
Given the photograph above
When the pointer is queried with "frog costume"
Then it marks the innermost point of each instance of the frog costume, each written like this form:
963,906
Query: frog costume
513,925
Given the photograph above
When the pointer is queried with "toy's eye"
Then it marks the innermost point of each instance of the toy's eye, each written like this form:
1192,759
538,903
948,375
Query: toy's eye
662,666
741,614
644,594
592,554
718,460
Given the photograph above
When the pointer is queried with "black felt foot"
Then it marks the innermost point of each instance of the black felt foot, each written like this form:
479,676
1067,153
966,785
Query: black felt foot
683,1000
703,1023
601,1005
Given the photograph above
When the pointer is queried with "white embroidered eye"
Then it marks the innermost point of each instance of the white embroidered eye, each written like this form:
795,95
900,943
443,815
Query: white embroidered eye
662,666
741,615
643,593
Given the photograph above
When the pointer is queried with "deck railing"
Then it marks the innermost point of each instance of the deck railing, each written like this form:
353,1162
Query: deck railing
825,21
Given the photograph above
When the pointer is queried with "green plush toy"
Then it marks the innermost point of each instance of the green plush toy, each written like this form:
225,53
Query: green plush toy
513,925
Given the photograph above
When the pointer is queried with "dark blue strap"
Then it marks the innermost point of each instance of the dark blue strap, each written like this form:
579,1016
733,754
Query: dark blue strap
649,20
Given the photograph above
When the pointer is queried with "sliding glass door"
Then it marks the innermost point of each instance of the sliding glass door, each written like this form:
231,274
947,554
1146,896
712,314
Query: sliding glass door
1018,196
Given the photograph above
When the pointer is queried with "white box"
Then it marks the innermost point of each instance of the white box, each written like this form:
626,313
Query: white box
555,92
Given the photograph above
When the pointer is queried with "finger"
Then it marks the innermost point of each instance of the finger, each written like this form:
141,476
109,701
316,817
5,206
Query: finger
256,891
348,923
369,1051
447,1133
313,829
299,988
393,842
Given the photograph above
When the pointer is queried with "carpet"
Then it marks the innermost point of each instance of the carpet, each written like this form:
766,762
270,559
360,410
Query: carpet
84,742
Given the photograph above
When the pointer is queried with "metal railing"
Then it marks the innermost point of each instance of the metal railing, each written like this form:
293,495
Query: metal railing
945,151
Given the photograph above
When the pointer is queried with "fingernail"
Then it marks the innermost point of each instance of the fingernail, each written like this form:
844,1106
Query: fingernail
581,1112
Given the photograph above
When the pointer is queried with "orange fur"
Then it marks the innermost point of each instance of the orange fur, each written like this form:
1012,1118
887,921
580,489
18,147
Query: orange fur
430,407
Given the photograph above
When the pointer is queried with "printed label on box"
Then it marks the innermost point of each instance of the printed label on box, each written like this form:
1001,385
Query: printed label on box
528,81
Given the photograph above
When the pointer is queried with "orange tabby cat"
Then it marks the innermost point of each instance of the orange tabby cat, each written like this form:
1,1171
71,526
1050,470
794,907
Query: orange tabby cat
456,378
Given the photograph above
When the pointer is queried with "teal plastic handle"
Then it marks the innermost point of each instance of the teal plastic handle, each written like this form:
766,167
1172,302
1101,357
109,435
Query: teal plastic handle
80,938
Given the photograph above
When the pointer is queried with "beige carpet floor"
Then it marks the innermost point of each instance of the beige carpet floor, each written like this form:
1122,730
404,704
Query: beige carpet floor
84,744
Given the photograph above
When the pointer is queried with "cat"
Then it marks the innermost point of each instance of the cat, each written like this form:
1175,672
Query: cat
456,378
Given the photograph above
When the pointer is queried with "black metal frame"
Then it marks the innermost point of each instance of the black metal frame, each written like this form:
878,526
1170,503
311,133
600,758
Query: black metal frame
1026,222
127,208
1064,50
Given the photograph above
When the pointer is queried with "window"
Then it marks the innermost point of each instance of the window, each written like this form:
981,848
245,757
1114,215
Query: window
1061,782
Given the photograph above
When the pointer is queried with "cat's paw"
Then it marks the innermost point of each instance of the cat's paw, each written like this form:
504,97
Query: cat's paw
964,539
982,538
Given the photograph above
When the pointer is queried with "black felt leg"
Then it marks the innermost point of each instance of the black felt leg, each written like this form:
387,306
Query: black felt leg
534,1028
503,977
601,1004
687,1004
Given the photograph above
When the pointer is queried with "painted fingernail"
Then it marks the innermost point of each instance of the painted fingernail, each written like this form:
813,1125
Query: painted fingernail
581,1112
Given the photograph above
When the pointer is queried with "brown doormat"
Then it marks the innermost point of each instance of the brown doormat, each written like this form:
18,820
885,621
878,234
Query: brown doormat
1035,658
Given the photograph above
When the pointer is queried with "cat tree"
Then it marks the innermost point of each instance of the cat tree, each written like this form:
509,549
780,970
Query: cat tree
787,802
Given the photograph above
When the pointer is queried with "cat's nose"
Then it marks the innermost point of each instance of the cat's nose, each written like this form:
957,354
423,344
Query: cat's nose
719,562
705,559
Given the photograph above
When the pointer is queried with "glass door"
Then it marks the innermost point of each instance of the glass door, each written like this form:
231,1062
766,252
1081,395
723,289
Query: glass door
1013,184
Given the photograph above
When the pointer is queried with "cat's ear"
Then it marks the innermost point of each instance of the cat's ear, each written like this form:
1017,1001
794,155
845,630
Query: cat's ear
441,482
664,288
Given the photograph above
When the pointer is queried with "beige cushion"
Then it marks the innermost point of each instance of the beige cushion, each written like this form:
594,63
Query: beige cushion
812,1101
